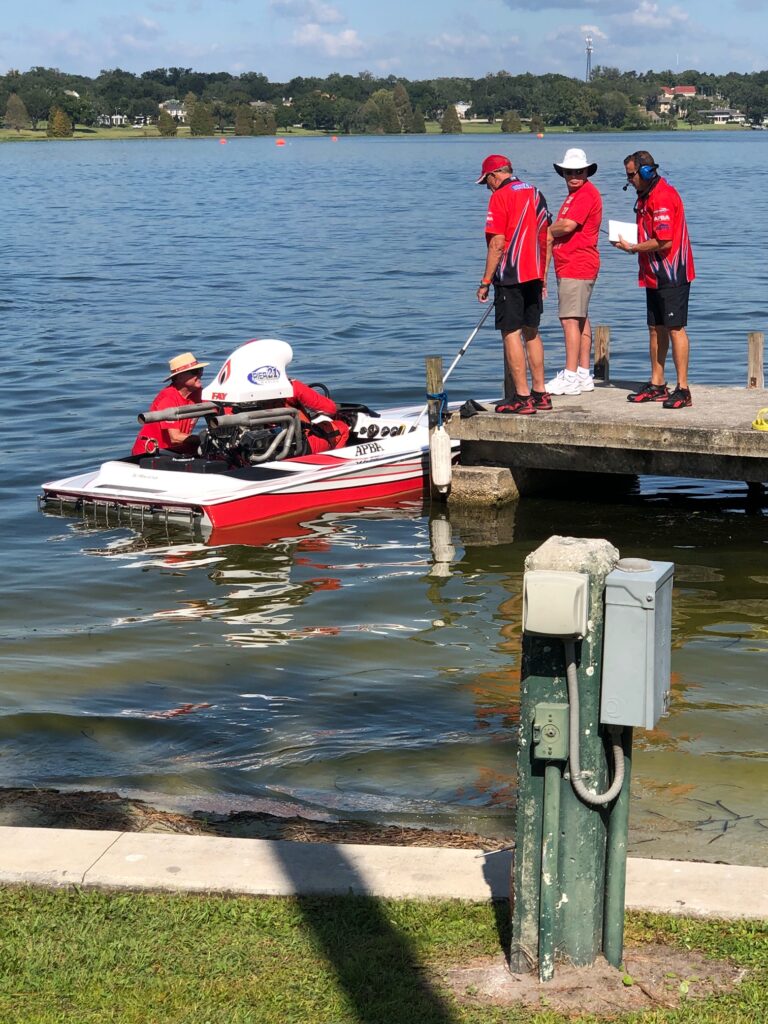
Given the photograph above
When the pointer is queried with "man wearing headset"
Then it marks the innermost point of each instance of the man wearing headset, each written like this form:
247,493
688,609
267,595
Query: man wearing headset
665,271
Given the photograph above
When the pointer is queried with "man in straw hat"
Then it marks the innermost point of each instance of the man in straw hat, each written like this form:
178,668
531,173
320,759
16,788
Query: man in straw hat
516,237
573,243
185,388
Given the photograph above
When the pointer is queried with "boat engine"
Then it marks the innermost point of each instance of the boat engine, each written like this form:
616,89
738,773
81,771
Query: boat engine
251,436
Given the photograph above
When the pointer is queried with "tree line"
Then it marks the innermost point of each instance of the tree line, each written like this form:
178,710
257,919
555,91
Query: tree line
364,103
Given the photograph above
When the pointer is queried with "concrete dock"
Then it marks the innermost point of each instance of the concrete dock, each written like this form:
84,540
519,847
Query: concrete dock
601,432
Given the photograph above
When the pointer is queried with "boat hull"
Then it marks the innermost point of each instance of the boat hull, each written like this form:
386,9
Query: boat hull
366,471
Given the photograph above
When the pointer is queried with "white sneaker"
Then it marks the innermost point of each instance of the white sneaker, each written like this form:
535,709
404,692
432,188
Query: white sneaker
586,381
562,385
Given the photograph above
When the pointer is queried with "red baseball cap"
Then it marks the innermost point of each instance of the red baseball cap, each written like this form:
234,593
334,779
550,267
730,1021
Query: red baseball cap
492,163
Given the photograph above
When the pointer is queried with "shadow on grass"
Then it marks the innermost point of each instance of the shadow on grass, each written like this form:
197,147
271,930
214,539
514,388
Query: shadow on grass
375,963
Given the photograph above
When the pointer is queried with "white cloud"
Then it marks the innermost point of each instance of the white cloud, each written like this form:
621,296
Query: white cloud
457,43
313,12
651,15
599,6
345,43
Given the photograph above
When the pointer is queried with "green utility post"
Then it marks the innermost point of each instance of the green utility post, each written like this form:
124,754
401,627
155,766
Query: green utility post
560,855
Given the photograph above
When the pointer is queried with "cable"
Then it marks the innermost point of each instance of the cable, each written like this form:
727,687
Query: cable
595,799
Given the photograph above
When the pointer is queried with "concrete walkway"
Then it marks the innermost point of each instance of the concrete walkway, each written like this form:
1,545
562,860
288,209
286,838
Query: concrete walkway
179,863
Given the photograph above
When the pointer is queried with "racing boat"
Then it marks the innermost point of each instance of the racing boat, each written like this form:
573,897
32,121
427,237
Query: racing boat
252,463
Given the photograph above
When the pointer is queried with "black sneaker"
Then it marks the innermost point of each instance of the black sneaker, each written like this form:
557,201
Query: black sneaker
649,393
522,405
542,400
680,398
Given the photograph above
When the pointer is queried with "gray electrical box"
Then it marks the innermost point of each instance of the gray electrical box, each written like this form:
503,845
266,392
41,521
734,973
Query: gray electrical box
636,643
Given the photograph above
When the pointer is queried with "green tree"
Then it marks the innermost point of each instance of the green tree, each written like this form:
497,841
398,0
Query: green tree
367,119
264,122
189,103
201,122
403,107
417,124
537,125
284,115
16,114
511,122
612,109
244,121
59,125
38,104
389,122
166,125
450,124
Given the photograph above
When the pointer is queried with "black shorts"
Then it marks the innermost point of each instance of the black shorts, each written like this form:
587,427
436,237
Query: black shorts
667,307
518,305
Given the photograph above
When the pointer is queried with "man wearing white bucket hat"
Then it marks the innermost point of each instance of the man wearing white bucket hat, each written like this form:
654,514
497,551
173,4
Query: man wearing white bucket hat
573,243
185,388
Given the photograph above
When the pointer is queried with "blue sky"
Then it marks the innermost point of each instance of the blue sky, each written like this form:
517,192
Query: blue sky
412,38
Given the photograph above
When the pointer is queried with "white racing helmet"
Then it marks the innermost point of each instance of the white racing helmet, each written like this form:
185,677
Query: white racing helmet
255,372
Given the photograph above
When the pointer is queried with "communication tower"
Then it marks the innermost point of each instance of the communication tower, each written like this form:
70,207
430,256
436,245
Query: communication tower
588,41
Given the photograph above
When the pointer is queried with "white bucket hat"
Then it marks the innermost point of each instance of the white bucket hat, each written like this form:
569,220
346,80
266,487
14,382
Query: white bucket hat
575,160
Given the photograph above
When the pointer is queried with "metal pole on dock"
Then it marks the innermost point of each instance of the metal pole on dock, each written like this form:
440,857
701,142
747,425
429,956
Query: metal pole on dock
755,347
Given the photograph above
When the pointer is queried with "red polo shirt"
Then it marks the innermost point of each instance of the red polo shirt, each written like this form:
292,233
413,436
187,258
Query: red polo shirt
157,433
660,215
519,212
576,254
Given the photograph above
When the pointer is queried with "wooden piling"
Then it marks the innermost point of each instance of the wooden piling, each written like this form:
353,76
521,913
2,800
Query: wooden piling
755,346
602,352
434,366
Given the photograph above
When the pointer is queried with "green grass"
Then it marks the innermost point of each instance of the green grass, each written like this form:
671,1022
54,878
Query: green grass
94,957
151,132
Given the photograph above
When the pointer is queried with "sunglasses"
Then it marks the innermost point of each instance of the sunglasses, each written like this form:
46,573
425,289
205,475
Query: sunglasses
575,172
631,175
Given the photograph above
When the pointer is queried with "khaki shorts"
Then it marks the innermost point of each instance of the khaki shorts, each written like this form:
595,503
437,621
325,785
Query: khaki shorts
573,296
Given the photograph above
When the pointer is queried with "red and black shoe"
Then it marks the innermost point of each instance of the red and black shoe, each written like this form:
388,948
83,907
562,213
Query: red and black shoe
649,393
680,398
542,400
521,405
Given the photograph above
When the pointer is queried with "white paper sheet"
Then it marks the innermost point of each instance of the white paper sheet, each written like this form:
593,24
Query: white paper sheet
620,227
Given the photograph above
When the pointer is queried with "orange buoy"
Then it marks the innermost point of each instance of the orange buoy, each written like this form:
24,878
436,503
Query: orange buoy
223,142
540,135
334,138
279,142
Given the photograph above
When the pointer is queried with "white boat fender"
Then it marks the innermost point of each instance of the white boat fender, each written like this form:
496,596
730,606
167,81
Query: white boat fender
440,458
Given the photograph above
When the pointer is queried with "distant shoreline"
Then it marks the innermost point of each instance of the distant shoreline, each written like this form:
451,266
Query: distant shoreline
433,128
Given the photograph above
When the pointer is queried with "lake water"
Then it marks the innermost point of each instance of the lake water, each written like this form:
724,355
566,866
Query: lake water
335,670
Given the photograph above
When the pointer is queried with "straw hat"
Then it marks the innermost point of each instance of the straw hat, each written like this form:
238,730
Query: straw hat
181,364
575,160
